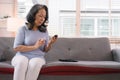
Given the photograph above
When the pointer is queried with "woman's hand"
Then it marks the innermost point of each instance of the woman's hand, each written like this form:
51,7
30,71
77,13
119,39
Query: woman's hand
39,43
23,48
53,39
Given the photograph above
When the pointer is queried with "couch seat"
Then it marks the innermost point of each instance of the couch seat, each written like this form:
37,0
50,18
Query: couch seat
81,67
71,68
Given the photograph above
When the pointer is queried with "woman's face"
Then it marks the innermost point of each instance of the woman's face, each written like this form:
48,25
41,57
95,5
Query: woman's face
40,17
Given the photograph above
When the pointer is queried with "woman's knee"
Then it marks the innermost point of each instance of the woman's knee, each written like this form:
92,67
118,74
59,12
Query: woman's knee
20,61
37,62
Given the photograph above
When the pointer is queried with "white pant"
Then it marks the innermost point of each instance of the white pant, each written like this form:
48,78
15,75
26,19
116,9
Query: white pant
25,69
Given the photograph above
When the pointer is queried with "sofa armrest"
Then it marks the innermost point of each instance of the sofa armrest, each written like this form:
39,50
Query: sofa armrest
116,54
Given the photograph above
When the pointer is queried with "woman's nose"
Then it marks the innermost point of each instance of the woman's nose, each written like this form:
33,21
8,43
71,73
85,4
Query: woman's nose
42,19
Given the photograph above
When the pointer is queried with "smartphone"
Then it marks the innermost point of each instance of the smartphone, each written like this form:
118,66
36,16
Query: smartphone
55,36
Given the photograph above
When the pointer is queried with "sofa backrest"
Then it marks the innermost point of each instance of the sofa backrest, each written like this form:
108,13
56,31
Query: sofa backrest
94,49
6,48
88,49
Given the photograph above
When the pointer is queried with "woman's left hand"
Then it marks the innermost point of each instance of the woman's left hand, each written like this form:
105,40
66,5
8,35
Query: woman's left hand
53,39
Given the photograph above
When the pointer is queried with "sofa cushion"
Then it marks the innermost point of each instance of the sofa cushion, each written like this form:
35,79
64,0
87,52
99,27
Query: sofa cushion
6,68
98,64
70,68
81,67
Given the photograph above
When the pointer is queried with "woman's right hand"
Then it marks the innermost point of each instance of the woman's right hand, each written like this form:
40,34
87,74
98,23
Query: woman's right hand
39,43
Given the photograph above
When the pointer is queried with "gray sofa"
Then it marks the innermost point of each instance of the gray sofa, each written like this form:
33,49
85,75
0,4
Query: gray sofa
94,60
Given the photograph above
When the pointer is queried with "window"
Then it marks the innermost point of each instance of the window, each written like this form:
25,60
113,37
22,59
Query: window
23,6
68,26
87,27
116,27
105,14
97,17
103,27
